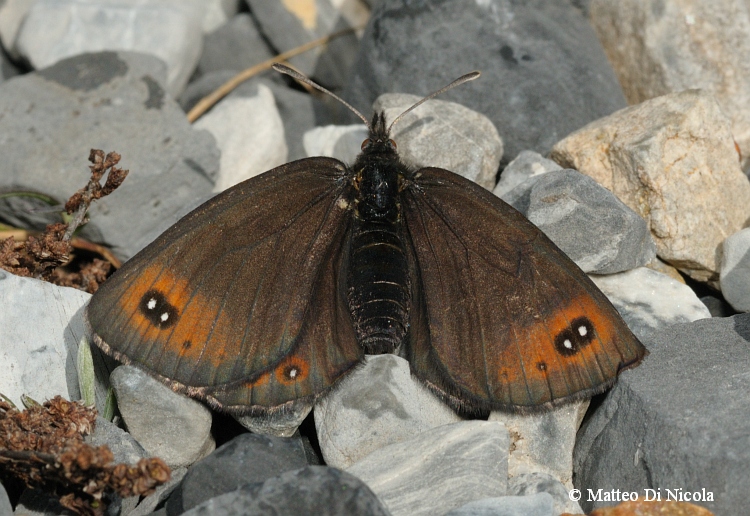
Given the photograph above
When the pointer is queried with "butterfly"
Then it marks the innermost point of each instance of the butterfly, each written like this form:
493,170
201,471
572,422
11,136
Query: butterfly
273,291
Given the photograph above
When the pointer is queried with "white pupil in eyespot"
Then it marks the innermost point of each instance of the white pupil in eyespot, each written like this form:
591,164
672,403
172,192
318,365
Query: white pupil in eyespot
582,331
151,304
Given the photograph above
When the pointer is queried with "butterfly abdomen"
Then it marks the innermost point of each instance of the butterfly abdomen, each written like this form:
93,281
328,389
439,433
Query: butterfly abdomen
378,288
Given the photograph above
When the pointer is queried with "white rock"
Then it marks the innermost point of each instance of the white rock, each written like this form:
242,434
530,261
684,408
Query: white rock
446,135
649,300
735,270
539,504
377,405
167,29
342,142
440,469
12,15
527,165
40,328
673,161
250,134
543,442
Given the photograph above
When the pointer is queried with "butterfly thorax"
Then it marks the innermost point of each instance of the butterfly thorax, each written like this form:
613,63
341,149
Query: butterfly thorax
378,285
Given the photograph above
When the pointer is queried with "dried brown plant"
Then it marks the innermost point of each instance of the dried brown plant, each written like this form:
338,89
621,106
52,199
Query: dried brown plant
43,447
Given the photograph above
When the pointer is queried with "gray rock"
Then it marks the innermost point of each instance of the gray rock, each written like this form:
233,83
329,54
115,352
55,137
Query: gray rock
124,447
7,68
41,327
336,141
718,306
168,425
148,504
50,120
169,30
376,405
527,165
678,421
287,25
246,459
544,73
446,135
539,504
735,270
592,226
649,300
236,45
440,469
317,490
5,508
282,424
543,442
527,484
295,107
250,135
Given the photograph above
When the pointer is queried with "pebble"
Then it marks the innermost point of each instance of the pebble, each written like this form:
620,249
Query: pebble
235,45
544,73
168,425
526,166
735,273
666,47
446,135
649,300
592,226
678,421
247,459
672,159
315,490
378,404
250,136
439,469
540,504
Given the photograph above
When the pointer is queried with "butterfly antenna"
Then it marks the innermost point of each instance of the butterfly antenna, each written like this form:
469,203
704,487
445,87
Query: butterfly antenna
464,78
301,78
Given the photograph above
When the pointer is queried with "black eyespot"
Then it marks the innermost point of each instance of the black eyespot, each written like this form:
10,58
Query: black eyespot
157,310
575,337
541,366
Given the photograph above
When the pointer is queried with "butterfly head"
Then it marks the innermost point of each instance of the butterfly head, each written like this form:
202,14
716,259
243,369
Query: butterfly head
379,142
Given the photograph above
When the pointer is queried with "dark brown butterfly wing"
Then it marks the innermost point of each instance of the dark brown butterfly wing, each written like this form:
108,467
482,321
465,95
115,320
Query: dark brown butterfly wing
241,302
501,318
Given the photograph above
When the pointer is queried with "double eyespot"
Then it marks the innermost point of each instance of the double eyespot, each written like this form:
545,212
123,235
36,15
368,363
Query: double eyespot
576,336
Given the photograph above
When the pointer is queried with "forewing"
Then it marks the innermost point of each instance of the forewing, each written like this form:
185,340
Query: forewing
238,289
501,318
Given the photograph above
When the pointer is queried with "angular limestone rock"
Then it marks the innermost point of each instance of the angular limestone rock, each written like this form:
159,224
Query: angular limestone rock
672,159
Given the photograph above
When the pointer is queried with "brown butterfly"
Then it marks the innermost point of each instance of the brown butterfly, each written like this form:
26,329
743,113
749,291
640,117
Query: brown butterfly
274,290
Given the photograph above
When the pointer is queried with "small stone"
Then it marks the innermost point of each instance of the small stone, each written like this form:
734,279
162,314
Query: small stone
544,73
649,300
446,135
659,47
168,425
735,270
54,30
672,160
250,135
539,504
526,484
543,442
592,226
440,469
246,459
689,389
124,447
525,166
40,331
236,45
376,405
314,490
283,424
342,142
